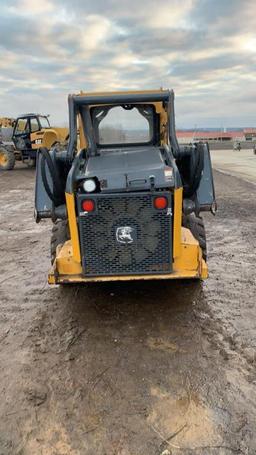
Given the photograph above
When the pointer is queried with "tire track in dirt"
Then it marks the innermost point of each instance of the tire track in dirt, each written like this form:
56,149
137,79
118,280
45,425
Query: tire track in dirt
121,368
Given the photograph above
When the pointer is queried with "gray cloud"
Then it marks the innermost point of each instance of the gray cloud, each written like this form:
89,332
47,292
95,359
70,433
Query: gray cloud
204,49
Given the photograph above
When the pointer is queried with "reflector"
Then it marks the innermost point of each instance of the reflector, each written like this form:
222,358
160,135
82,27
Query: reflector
88,205
160,202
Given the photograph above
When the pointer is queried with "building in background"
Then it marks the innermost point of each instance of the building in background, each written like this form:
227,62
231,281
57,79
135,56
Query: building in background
250,134
187,136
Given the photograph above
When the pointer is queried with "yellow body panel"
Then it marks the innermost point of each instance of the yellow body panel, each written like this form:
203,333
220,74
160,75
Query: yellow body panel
48,136
121,92
189,264
177,222
73,229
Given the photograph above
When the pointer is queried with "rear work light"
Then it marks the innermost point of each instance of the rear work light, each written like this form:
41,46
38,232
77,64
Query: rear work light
88,205
160,202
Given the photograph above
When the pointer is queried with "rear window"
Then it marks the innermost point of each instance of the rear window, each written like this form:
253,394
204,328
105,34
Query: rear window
126,124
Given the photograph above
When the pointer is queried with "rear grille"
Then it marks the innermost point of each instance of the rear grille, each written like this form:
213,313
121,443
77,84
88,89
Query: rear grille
125,235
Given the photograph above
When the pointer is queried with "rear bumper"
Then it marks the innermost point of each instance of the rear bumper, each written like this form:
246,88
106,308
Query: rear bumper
189,264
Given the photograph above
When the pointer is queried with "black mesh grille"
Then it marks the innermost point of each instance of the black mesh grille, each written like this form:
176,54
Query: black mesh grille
126,235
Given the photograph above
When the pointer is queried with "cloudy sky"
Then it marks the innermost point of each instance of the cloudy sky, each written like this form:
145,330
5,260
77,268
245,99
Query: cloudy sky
204,49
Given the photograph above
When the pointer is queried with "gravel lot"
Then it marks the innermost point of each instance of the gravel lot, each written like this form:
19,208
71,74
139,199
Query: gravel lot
240,164
131,368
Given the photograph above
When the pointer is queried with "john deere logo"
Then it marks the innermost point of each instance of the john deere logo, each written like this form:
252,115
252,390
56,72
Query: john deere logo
125,234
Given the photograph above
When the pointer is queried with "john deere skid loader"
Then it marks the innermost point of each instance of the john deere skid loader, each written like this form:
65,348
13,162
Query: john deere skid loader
124,197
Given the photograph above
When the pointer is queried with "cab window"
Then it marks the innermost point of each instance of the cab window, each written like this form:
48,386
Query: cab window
34,125
22,126
44,122
124,124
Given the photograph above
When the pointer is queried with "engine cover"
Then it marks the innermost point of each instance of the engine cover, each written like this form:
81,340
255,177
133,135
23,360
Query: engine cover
126,234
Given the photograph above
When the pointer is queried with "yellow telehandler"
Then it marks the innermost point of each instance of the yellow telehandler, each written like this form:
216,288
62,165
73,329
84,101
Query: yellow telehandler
30,131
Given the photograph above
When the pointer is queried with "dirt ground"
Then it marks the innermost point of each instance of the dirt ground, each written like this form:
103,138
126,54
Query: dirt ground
141,368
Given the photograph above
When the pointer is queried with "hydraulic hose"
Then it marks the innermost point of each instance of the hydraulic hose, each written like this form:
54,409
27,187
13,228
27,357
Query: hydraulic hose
195,164
56,194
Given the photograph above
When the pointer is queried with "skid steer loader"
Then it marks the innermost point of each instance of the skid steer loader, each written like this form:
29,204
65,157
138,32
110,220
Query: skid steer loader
30,131
126,200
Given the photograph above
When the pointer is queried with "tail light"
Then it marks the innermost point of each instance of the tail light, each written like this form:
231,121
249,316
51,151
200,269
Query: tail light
160,202
88,205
